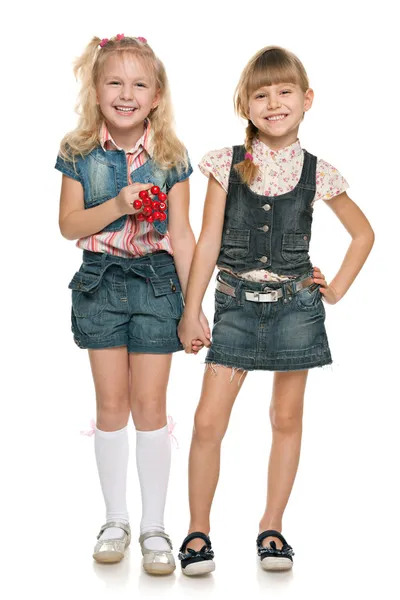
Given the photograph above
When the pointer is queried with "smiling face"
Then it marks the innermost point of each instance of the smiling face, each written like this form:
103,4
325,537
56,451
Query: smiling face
126,93
277,111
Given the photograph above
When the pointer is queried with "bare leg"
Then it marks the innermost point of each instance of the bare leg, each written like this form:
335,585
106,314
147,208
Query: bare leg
110,375
220,388
286,413
148,389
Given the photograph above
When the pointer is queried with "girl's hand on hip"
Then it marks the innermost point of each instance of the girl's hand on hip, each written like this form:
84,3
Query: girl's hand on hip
127,197
328,293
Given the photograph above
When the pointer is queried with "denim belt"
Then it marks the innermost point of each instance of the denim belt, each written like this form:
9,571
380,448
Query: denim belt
271,296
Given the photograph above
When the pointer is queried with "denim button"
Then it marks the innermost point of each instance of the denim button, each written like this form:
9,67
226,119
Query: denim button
263,259
265,228
267,207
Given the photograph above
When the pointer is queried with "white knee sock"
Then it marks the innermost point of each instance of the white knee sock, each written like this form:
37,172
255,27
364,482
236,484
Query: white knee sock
153,459
112,450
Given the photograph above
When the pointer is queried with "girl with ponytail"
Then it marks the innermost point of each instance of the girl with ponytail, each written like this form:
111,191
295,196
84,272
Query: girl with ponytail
127,297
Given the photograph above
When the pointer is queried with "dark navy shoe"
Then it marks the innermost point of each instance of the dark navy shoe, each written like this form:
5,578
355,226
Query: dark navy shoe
196,562
271,558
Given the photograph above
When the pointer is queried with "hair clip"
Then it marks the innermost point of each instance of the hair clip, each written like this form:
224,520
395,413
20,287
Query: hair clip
248,156
119,37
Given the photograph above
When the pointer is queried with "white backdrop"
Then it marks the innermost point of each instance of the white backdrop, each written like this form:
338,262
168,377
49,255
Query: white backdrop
342,517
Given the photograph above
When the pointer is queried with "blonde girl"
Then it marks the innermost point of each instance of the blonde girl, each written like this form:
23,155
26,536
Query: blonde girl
127,295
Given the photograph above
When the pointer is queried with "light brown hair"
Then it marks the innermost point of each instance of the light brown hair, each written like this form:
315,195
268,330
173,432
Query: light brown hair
269,66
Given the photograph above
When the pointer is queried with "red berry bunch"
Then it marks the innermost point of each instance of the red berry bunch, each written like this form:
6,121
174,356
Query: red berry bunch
153,210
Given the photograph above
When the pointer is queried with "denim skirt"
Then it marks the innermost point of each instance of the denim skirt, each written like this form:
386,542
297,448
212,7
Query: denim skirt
285,335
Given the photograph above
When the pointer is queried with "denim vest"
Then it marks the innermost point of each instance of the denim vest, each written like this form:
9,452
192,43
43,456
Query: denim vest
103,174
264,232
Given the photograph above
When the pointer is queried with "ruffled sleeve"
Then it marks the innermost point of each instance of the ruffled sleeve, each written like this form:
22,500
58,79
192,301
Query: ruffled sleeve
330,182
217,163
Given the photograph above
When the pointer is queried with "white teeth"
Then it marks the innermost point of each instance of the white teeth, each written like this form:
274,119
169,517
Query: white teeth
124,108
277,118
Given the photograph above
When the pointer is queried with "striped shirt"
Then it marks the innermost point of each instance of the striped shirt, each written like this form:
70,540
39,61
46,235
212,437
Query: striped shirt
136,238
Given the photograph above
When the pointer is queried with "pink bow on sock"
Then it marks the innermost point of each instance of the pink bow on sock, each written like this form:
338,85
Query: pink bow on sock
90,431
171,425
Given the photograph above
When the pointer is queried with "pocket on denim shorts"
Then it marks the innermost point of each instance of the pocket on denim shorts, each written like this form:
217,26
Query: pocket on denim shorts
91,267
89,297
309,298
164,296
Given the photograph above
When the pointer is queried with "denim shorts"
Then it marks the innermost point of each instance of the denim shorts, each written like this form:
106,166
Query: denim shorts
286,335
133,302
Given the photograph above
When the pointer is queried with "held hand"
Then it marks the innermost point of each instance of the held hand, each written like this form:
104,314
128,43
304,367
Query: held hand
204,323
328,293
127,197
190,330
197,345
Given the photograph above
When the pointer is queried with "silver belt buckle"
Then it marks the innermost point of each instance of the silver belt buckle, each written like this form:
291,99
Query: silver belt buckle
271,296
274,295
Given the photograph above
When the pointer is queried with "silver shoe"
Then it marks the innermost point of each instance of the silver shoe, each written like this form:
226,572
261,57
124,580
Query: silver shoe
157,562
111,551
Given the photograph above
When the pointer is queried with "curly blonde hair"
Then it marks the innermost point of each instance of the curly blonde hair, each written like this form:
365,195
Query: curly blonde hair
168,149
269,66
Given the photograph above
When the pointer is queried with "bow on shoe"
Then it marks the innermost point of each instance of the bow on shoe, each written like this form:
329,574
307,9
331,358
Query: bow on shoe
190,553
272,549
